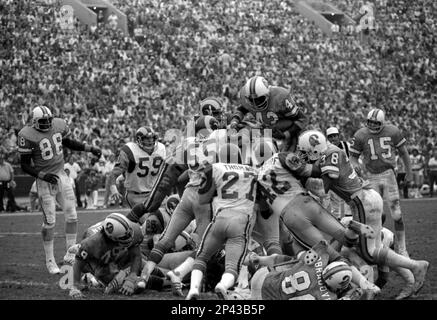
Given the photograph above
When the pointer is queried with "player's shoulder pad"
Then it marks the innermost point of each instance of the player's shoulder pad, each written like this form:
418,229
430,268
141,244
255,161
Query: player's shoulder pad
27,132
138,235
391,129
361,133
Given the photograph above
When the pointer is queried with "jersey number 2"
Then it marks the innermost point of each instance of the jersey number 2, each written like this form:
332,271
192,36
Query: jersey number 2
232,177
384,142
46,146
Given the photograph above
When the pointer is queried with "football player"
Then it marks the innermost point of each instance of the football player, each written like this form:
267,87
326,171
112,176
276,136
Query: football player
272,106
113,247
42,142
377,142
339,176
140,162
299,213
212,106
317,274
338,208
231,187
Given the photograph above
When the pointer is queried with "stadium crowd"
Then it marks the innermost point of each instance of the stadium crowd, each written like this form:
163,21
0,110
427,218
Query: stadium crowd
107,84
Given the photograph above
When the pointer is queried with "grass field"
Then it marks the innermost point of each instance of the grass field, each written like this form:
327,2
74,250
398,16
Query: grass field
23,274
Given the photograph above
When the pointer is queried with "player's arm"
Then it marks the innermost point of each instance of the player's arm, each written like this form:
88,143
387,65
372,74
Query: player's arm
300,121
78,267
329,169
238,116
129,283
207,188
69,142
162,188
122,165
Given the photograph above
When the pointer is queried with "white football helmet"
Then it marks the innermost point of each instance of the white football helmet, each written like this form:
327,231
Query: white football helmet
256,92
118,228
42,118
311,145
171,203
337,275
375,120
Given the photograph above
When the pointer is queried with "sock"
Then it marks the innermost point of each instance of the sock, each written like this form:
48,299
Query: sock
184,268
227,280
400,236
70,239
396,260
196,280
360,280
48,249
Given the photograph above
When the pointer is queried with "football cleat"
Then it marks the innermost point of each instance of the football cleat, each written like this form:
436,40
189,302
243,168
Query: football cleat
362,229
221,292
52,267
176,283
419,275
193,294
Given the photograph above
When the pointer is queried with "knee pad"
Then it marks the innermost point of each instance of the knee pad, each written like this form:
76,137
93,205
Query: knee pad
380,255
70,212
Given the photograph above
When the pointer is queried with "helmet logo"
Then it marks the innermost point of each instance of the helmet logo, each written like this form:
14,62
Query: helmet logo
109,227
314,140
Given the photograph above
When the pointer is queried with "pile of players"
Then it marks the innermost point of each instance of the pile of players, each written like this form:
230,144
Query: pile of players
240,181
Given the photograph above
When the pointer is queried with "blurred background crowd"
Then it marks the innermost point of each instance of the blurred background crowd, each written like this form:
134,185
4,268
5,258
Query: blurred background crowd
107,84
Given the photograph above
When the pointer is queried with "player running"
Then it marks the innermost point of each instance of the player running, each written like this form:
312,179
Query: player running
42,143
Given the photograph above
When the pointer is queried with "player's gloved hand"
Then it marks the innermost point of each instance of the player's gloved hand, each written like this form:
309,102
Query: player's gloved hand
116,282
278,134
96,151
75,293
129,285
49,177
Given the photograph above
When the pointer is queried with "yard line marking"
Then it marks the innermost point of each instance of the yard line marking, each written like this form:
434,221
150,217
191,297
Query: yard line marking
37,213
4,283
18,264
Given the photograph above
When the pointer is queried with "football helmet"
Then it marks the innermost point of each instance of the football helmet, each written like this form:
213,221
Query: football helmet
337,275
311,145
171,203
117,228
205,125
42,118
212,106
146,138
375,120
256,93
263,149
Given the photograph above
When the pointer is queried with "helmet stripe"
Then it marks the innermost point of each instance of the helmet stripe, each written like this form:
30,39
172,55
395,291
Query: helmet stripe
375,114
252,86
122,221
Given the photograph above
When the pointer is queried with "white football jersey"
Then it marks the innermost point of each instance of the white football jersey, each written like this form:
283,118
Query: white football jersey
278,183
144,167
235,187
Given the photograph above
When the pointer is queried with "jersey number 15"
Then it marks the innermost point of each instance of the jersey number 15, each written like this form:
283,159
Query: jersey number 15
384,143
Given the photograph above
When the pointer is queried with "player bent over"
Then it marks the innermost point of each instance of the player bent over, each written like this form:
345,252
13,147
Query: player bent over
231,226
42,143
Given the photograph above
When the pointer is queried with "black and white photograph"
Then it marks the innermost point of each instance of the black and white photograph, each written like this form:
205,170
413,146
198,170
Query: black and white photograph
234,153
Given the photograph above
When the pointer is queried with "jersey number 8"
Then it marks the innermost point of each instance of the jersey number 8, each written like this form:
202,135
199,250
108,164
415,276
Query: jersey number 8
297,282
46,147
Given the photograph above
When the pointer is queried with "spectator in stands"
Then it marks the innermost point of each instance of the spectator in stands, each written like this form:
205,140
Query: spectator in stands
417,166
432,167
109,165
7,184
92,183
